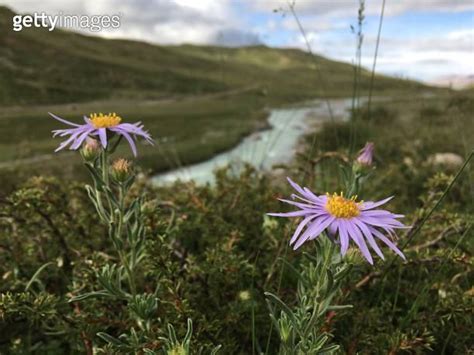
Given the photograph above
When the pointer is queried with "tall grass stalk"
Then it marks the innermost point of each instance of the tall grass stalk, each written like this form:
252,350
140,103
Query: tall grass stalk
321,78
372,75
357,72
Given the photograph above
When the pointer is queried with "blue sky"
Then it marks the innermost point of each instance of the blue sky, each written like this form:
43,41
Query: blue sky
429,40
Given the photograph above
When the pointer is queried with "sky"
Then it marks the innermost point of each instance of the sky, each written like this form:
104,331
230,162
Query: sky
426,40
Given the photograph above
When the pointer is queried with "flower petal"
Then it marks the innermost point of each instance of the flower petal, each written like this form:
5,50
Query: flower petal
77,143
368,235
102,132
135,129
357,237
382,222
63,120
299,204
290,214
69,140
305,192
131,143
300,227
343,237
381,213
314,230
296,186
369,204
388,242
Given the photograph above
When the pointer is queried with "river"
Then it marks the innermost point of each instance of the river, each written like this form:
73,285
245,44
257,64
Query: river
264,149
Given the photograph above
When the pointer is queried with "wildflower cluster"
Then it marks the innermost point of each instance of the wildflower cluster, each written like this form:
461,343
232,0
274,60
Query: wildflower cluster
333,220
212,254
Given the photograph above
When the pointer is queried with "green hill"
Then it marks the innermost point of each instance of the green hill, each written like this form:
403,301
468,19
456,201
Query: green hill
38,67
198,100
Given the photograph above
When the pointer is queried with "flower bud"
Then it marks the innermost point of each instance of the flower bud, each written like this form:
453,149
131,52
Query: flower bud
91,149
366,155
285,329
178,349
121,170
244,295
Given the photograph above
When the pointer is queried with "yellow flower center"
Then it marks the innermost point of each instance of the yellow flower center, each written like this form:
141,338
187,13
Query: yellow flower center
104,121
341,207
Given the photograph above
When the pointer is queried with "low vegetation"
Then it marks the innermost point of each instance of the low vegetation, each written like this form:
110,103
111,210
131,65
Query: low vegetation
214,269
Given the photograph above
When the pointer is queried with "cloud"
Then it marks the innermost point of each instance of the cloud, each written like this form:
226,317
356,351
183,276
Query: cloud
158,21
349,7
313,23
403,6
423,58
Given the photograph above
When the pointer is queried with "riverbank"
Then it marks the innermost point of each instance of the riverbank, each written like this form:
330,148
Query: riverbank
188,131
265,149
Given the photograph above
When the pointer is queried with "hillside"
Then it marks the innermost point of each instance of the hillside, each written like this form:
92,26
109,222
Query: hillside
42,67
197,101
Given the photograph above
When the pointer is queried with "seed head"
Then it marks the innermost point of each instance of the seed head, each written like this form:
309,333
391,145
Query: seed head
121,169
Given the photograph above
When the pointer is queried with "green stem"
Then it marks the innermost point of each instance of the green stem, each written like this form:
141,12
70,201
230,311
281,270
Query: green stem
104,159
104,165
280,281
122,254
312,320
121,212
128,270
100,207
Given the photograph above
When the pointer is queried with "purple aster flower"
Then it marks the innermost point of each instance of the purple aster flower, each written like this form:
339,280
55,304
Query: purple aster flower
97,125
366,154
344,219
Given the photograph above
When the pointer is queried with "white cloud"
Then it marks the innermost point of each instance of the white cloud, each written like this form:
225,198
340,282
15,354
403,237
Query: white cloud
312,23
372,7
423,58
157,21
